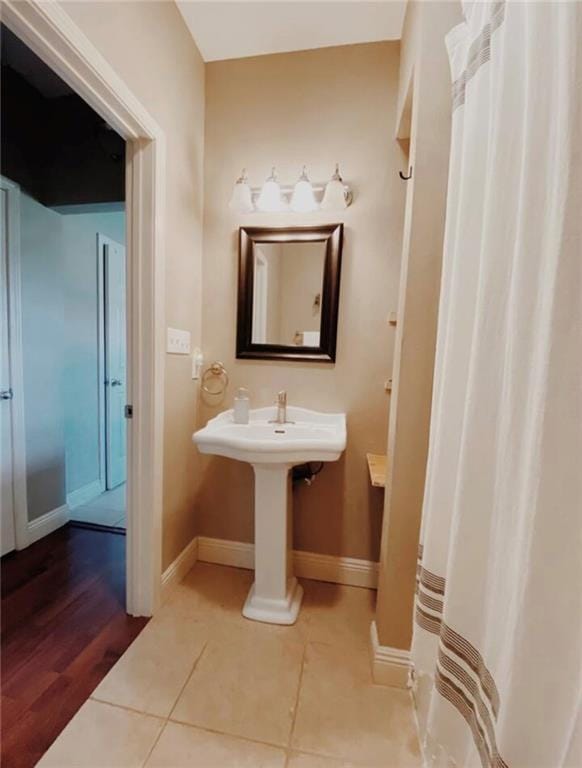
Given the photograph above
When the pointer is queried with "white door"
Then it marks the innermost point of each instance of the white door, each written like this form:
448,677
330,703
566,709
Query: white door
115,362
7,533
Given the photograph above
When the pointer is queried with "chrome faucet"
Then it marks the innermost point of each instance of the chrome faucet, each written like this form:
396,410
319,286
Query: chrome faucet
281,409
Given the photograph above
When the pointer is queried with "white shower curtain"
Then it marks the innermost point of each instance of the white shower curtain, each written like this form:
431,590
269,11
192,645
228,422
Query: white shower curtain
497,645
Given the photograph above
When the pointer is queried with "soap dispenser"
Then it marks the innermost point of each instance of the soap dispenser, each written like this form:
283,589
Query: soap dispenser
241,406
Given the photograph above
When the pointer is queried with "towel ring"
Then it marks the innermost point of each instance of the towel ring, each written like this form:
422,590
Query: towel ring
216,370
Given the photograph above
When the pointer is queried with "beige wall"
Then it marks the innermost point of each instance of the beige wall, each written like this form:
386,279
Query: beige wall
149,46
424,73
315,107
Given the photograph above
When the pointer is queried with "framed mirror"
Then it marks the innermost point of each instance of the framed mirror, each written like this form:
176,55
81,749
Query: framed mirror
288,293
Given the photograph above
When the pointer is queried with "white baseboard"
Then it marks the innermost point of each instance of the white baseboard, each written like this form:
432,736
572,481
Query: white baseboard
47,523
238,554
176,571
85,494
308,565
390,666
338,570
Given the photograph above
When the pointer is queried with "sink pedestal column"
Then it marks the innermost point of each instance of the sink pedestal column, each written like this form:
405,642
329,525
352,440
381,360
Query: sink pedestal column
276,595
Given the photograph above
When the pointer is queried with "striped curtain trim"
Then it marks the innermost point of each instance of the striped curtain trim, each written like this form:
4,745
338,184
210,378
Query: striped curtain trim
456,671
453,643
429,602
479,54
471,690
469,654
453,694
431,581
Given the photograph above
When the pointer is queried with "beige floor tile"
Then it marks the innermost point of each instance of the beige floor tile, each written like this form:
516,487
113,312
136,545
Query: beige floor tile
211,593
216,594
182,746
152,672
342,714
102,736
245,684
336,614
330,613
302,760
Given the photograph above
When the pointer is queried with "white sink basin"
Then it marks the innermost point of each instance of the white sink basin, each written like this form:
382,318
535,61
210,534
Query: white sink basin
312,436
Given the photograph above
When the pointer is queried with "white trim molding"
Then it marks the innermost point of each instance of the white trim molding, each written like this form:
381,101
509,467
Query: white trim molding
390,666
307,565
85,494
177,570
47,523
339,570
46,27
238,554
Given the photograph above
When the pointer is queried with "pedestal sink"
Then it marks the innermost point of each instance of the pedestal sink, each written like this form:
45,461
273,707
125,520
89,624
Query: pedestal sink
273,449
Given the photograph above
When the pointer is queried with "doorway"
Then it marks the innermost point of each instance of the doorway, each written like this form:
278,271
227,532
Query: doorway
47,30
106,505
67,188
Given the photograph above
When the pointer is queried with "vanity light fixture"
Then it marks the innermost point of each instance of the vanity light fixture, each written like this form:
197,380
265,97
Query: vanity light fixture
241,200
303,200
270,199
336,195
303,197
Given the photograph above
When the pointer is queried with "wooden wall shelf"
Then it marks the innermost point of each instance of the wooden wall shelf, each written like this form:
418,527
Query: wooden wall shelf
377,467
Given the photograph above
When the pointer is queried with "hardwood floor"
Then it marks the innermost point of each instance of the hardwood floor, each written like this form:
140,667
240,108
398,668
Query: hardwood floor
63,627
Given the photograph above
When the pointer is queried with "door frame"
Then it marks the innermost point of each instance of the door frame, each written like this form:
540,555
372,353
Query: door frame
51,33
13,288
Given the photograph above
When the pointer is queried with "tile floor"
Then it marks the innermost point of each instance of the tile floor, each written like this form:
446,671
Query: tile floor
203,687
106,509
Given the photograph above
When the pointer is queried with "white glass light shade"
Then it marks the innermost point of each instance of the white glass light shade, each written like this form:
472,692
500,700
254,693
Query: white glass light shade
303,199
270,199
241,200
334,196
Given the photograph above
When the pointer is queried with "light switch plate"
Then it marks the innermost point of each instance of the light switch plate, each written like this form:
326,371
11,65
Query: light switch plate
178,342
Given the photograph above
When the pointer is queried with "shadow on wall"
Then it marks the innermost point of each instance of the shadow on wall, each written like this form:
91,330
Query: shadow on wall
224,481
312,505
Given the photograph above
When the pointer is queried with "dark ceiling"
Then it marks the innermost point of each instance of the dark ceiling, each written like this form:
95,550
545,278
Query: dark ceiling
53,144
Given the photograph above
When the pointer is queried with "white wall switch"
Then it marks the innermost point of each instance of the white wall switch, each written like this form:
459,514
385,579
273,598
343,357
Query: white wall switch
178,342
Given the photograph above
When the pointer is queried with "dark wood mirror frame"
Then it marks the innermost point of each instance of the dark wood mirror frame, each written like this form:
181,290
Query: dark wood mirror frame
332,236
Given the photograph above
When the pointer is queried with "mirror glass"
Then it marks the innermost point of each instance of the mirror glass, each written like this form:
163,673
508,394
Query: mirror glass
287,293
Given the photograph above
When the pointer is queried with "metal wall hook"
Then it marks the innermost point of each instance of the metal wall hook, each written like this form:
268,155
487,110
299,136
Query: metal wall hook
403,177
